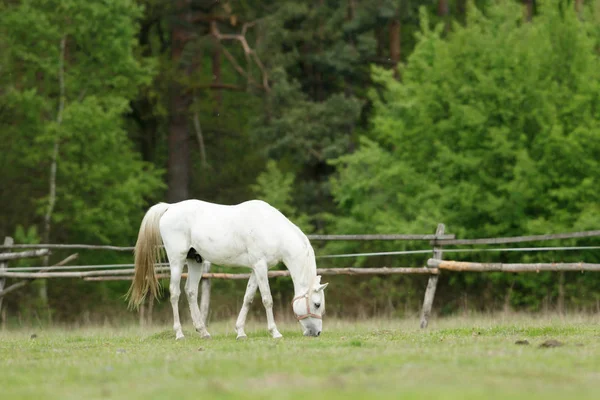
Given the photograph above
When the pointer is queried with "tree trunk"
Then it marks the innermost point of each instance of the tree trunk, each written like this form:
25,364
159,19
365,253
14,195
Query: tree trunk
43,286
142,108
529,6
395,44
508,296
380,38
350,12
561,293
179,146
216,71
579,7
443,12
461,10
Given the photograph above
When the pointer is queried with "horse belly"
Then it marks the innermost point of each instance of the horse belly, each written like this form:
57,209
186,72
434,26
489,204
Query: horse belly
232,251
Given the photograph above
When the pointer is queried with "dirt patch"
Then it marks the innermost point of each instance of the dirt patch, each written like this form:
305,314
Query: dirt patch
551,343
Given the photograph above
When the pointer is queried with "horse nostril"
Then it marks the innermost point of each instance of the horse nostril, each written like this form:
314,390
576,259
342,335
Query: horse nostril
319,333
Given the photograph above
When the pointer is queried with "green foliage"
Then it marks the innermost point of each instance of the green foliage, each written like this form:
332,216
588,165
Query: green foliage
276,188
306,132
102,185
27,235
481,126
492,131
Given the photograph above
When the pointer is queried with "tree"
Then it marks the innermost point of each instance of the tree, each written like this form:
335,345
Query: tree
69,82
179,135
489,149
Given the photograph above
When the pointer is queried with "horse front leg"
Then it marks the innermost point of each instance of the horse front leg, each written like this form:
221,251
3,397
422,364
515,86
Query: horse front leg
248,298
261,271
195,271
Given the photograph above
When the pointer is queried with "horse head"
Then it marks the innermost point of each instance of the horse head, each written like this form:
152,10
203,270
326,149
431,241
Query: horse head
310,307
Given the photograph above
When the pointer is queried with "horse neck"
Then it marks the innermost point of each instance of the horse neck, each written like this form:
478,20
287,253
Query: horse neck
303,271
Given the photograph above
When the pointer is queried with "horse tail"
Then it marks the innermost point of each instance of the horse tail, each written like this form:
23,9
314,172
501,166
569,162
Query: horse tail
147,252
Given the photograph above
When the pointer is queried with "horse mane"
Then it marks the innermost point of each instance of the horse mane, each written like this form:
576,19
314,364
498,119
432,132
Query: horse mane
310,270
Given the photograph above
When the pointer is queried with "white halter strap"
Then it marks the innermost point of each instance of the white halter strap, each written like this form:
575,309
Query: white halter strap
308,313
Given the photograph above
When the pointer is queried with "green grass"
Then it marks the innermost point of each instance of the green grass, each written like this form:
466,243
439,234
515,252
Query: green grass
456,358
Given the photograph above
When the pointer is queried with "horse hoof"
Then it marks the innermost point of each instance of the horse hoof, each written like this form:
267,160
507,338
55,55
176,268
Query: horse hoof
277,335
179,337
203,333
242,337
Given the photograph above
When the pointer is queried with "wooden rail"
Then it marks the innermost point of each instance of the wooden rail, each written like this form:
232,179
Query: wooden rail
311,237
462,266
24,254
517,239
127,274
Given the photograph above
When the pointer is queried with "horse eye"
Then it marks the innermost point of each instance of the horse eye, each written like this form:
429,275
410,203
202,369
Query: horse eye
317,305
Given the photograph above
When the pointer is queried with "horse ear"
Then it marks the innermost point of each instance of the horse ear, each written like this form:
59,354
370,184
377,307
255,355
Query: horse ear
321,287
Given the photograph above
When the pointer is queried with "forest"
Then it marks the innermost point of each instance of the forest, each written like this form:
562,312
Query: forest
349,116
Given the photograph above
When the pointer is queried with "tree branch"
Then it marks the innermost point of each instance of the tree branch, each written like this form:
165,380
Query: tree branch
200,138
16,286
219,86
248,51
237,66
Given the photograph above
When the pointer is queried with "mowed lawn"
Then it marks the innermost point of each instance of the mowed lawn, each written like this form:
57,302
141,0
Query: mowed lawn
456,358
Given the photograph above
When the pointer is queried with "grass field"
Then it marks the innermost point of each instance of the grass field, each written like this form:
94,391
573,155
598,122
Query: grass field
456,358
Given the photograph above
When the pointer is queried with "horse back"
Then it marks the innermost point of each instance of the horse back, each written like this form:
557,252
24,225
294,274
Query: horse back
233,235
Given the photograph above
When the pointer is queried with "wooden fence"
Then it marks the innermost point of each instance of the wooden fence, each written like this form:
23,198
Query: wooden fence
434,266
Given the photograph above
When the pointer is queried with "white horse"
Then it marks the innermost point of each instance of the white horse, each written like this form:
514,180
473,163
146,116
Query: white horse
251,234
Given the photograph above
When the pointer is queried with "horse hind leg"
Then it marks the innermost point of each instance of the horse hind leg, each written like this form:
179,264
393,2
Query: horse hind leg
176,266
195,270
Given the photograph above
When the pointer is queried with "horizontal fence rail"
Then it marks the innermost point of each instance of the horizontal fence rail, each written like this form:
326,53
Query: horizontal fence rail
517,239
24,254
311,237
442,240
463,266
67,246
380,237
372,254
128,273
276,274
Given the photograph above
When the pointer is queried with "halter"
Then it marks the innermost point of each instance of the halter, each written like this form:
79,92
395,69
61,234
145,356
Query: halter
308,313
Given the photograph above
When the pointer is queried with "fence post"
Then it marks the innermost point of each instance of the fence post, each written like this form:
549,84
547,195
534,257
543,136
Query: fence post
8,241
205,296
432,283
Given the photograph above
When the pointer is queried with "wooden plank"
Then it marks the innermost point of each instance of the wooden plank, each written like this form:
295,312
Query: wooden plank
432,283
24,254
62,274
274,274
518,239
446,239
66,246
462,266
375,271
380,237
311,237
